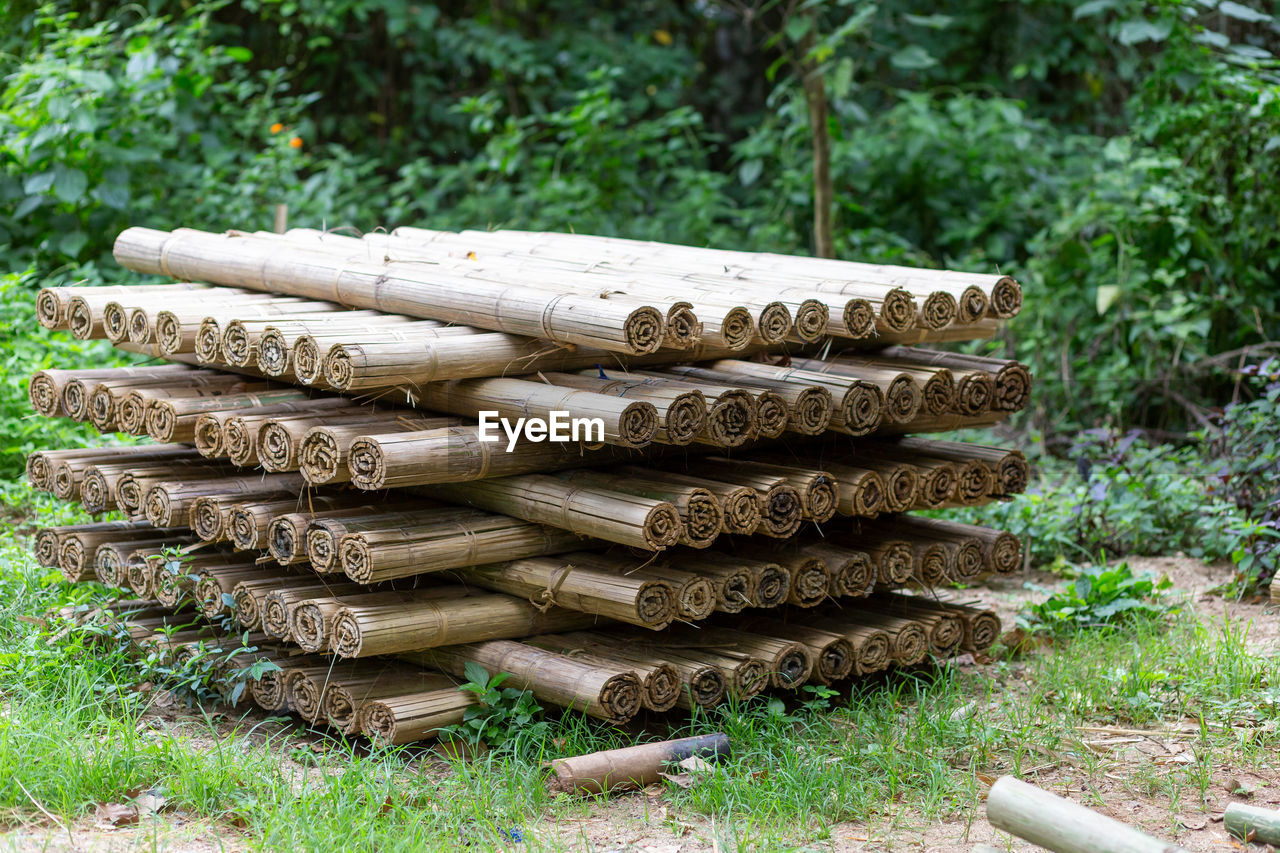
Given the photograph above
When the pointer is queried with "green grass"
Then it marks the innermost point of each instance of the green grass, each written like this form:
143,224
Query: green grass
897,753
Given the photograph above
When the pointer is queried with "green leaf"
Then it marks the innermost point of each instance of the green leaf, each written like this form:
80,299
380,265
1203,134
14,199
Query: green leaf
798,27
933,22
1241,12
749,171
912,58
475,673
1107,296
240,54
1093,7
69,183
72,242
38,183
1140,30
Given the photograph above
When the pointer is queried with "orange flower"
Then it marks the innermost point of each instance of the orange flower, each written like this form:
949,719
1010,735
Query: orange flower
296,142
277,127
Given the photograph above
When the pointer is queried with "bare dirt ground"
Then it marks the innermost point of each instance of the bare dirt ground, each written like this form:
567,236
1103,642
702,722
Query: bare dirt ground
644,822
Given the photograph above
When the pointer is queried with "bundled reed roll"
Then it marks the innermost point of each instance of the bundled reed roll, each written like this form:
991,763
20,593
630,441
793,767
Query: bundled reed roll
601,585
287,533
71,548
280,437
682,411
341,700
215,590
372,554
127,318
168,503
787,663
852,570
78,386
810,406
908,642
834,656
966,554
311,619
1009,469
739,505
613,516
52,302
818,490
210,516
210,439
176,420
660,681
305,685
275,605
1012,379
458,454
248,522
324,534
700,514
64,473
569,683
111,558
981,625
733,581
937,384
1001,551
131,408
859,491
325,450
400,719
269,691
448,292
128,485
176,328
944,627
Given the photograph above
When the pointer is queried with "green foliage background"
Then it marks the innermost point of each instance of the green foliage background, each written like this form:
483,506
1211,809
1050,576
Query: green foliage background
1116,156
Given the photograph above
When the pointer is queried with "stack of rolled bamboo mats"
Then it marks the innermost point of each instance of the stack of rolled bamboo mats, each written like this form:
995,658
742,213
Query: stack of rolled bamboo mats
334,478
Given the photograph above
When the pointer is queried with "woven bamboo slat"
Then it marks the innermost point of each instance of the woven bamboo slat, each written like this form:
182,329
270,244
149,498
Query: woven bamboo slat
342,700
436,292
613,516
701,516
210,437
51,302
682,411
168,503
457,540
395,720
609,587
660,681
551,677
834,656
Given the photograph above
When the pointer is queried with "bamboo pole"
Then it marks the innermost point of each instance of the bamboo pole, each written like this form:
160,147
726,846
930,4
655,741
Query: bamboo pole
609,695
613,516
608,587
445,292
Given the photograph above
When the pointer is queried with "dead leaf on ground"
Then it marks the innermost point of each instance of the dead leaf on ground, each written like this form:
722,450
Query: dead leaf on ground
113,815
1193,823
149,803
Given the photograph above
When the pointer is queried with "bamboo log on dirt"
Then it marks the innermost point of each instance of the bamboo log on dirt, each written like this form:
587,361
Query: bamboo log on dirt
608,587
660,681
168,503
613,516
210,432
450,293
406,718
631,768
553,678
458,539
701,516
682,411
458,454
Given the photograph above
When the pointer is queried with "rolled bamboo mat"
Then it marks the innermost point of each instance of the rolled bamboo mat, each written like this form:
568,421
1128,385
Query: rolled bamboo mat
174,420
682,411
739,505
248,522
908,640
75,387
174,581
275,606
71,547
660,681
111,558
167,503
371,554
809,406
64,474
279,437
742,674
305,685
210,438
127,316
210,515
613,516
51,302
405,718
324,533
1012,379
287,533
735,416
811,579
311,619
945,628
131,407
129,485
607,694
242,431
733,581
175,328
238,342
440,292
701,515
817,490
297,347
1009,469
609,587
1001,551
787,664
889,549
852,570
268,691
937,385
834,656
325,451
215,590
